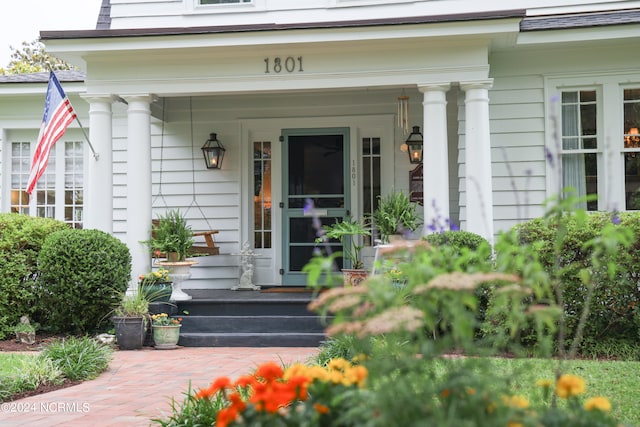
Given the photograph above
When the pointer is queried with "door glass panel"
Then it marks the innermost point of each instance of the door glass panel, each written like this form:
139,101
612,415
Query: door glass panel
312,165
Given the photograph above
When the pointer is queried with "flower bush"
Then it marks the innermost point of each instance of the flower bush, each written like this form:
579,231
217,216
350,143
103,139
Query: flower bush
161,275
163,319
298,395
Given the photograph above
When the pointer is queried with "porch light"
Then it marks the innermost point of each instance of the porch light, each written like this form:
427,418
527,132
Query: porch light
213,152
413,146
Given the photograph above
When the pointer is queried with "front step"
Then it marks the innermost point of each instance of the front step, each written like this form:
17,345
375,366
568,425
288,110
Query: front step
225,318
264,339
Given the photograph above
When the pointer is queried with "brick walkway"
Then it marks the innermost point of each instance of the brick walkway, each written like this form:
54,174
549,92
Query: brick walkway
139,385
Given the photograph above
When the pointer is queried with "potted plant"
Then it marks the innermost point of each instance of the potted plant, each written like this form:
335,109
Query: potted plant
171,235
155,285
166,331
395,215
349,233
130,319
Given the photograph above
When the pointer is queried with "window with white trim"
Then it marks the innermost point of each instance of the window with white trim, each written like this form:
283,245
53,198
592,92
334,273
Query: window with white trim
631,138
599,139
580,144
224,1
371,175
59,192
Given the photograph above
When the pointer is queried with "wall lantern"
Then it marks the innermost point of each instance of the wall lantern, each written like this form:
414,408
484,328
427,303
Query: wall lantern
213,152
413,146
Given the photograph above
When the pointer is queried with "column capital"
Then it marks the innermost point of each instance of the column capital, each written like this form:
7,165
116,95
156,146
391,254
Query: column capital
429,87
106,98
476,84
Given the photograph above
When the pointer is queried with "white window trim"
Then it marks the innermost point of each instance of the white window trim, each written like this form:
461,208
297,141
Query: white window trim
194,6
609,95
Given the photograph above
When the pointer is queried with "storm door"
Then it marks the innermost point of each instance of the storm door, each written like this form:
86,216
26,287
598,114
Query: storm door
315,169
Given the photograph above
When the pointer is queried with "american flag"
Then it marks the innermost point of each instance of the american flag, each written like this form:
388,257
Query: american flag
58,114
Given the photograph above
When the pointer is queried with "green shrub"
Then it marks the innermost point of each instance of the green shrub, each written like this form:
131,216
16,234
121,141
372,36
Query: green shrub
615,293
79,358
83,276
21,238
30,372
457,239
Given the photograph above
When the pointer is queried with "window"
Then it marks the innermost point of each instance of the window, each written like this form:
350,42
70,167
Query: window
599,124
59,192
262,228
631,108
223,1
371,175
580,144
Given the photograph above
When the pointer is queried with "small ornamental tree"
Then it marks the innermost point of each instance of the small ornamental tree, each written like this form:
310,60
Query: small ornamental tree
83,276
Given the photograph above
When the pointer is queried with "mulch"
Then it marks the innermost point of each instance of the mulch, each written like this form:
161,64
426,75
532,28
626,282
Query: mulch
12,345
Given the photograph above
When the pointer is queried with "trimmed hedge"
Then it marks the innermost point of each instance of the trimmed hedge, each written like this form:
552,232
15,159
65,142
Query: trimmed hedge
457,238
83,276
614,312
21,239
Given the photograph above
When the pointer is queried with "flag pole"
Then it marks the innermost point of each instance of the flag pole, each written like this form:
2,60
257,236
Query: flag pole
84,132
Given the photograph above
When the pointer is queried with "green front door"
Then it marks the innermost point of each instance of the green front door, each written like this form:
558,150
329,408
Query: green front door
315,173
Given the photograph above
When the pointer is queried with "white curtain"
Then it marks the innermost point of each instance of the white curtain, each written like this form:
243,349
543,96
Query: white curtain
573,168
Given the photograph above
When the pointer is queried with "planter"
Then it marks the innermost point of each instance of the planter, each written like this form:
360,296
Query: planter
166,337
130,332
353,277
178,272
157,292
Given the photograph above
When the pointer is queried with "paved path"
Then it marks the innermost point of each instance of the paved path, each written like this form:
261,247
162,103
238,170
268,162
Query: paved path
139,385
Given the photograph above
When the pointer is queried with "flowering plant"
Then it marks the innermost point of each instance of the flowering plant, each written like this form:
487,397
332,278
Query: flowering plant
298,395
163,319
160,275
395,274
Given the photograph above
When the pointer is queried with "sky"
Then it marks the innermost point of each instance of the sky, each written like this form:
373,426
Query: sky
22,20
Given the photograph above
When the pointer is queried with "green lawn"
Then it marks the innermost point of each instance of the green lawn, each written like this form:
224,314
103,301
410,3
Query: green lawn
618,381
11,362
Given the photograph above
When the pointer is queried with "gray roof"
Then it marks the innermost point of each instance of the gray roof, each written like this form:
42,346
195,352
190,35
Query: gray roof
43,77
104,17
580,20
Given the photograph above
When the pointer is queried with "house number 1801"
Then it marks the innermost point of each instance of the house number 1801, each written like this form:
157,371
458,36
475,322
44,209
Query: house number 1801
278,64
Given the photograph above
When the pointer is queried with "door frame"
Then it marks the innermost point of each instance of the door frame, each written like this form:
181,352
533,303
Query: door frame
375,125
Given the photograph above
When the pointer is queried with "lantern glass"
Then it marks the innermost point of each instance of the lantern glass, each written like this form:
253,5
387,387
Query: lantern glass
213,152
414,145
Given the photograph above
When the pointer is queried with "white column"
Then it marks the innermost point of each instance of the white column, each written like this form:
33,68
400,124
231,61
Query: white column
435,157
98,197
478,188
139,183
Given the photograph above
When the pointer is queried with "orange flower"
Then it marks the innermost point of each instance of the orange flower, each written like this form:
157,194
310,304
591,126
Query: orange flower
245,380
320,408
569,385
269,371
599,403
226,416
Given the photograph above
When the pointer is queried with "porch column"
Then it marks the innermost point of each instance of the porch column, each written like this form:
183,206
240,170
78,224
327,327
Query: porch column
139,183
435,157
478,183
98,197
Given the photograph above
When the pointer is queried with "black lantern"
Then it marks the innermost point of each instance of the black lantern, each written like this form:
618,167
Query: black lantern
414,145
213,152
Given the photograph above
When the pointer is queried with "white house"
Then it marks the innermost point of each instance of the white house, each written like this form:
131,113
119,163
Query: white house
304,97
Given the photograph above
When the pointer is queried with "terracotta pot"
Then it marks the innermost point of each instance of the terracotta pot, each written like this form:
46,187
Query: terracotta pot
353,277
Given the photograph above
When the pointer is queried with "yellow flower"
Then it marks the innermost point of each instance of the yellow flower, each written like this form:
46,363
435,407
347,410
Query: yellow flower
544,383
570,385
599,402
516,402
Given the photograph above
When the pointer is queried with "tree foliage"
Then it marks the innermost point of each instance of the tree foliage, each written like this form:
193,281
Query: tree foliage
33,58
